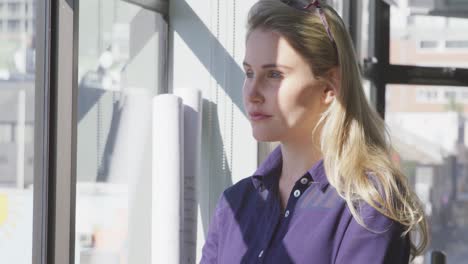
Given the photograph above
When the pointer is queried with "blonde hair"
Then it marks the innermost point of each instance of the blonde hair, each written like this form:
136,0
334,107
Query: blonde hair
354,140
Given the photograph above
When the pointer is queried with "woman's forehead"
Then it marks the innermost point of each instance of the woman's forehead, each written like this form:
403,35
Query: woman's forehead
270,47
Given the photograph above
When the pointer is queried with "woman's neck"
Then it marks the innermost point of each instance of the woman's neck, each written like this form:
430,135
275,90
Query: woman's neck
297,158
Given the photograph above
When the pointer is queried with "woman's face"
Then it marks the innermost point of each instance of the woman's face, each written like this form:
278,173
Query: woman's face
279,83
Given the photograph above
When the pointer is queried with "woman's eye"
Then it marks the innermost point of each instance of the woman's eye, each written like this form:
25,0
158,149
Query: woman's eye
249,74
275,74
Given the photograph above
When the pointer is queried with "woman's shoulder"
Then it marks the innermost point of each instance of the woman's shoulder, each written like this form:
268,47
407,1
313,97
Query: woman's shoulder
371,215
375,221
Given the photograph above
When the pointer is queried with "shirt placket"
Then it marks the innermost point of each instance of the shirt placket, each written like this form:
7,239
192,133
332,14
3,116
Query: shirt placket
280,226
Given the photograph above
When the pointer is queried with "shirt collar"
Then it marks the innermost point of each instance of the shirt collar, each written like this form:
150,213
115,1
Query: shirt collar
272,165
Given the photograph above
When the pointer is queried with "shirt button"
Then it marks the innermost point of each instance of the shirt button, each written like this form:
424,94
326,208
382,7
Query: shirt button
261,254
304,180
286,214
297,193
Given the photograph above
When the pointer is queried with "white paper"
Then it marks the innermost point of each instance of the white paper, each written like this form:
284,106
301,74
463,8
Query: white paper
167,174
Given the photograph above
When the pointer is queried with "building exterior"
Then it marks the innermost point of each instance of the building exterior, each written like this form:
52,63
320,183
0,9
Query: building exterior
428,123
17,17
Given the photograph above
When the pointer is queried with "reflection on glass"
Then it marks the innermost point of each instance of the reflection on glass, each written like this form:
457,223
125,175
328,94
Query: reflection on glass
427,33
427,125
120,52
17,59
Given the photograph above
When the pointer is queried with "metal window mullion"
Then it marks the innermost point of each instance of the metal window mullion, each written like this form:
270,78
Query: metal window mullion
381,50
355,14
419,75
41,133
65,124
55,154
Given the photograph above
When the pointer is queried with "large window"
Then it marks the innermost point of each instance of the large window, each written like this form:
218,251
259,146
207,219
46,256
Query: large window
13,25
121,50
13,8
427,123
17,94
117,69
420,38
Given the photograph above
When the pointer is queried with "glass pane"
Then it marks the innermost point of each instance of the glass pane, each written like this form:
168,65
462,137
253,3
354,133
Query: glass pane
337,5
121,49
427,125
17,62
428,34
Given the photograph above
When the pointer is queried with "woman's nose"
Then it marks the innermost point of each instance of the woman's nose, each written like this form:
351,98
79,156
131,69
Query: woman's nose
253,92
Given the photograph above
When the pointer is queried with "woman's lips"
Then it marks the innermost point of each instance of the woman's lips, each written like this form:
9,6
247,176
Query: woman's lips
259,117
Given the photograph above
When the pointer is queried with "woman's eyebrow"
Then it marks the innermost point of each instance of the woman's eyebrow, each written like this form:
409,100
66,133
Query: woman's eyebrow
269,65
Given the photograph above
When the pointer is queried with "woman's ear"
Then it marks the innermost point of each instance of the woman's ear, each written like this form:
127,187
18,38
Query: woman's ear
328,95
332,85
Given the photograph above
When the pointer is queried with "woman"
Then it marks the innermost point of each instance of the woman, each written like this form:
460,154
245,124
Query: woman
329,193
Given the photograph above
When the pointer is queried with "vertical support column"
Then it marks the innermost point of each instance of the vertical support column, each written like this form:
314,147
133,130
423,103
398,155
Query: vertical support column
65,129
63,92
381,50
55,132
41,132
354,20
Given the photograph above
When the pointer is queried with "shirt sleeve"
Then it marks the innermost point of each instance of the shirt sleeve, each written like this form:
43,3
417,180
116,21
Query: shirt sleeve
210,248
381,244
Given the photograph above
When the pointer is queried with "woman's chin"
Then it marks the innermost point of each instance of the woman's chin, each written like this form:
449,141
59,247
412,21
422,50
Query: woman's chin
264,136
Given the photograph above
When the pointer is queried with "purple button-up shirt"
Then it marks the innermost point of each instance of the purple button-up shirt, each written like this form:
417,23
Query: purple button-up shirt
316,226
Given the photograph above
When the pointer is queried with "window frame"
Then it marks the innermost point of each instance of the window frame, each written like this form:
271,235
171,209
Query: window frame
55,127
380,72
55,132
